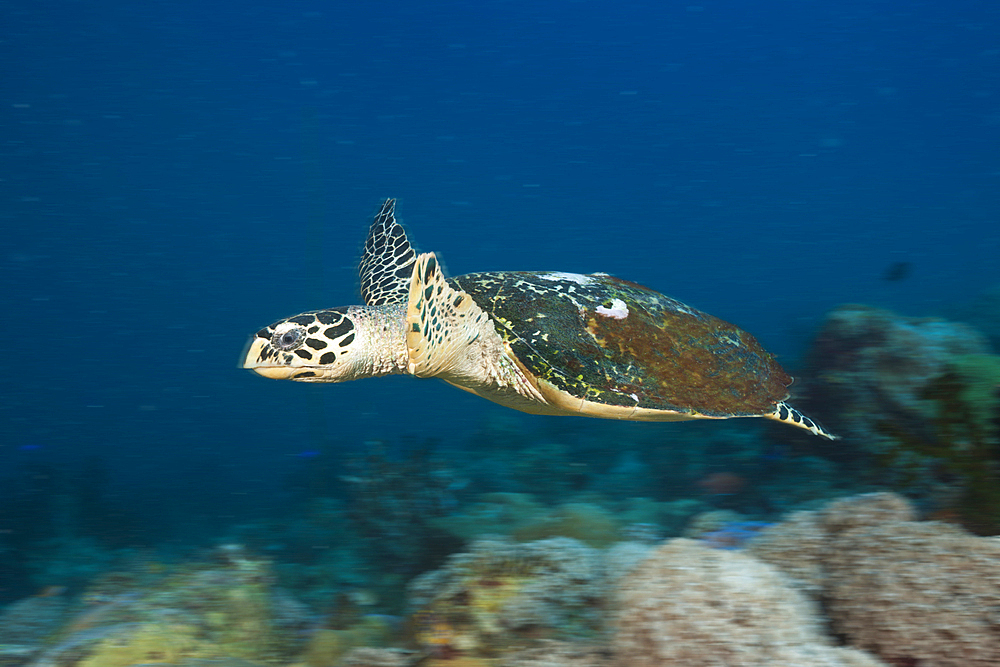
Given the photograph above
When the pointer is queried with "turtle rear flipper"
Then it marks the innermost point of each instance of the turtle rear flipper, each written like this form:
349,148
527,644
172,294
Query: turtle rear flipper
785,413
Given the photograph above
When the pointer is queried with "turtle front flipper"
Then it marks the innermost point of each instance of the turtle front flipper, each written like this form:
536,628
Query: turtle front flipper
387,263
448,336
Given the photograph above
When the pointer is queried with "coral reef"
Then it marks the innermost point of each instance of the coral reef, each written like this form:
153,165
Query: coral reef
25,624
223,607
149,642
924,592
587,522
884,360
667,517
706,522
533,469
800,544
60,525
917,401
315,555
501,595
553,653
393,500
914,593
377,657
327,646
861,570
620,559
978,383
591,519
492,513
723,529
732,535
983,313
691,605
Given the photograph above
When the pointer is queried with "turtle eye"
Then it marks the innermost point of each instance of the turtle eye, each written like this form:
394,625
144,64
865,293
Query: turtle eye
287,339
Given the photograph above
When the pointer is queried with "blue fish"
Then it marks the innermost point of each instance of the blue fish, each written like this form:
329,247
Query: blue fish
308,454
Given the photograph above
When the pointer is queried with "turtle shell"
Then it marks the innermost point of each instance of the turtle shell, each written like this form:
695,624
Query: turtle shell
614,343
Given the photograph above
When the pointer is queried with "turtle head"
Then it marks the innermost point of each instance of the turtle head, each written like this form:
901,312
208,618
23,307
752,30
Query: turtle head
312,347
334,345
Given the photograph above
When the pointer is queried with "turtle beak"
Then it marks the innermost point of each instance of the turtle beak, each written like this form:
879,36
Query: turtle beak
273,372
254,359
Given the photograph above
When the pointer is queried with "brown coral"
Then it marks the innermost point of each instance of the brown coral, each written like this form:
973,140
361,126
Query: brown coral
800,544
921,593
914,593
691,605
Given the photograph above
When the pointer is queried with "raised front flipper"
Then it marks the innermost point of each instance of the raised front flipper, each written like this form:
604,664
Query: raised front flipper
387,263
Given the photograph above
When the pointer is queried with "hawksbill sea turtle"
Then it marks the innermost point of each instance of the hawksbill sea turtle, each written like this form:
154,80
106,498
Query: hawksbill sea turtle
543,342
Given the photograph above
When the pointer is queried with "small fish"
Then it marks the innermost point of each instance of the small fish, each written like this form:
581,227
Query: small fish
897,271
308,454
722,483
775,452
733,535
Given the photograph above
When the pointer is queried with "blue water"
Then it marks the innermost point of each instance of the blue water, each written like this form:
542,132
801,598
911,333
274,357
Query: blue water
174,175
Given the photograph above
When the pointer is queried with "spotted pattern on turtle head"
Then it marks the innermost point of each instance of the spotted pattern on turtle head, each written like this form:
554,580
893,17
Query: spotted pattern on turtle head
314,338
387,263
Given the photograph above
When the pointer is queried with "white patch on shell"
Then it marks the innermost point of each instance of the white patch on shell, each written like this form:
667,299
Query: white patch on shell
618,310
577,278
